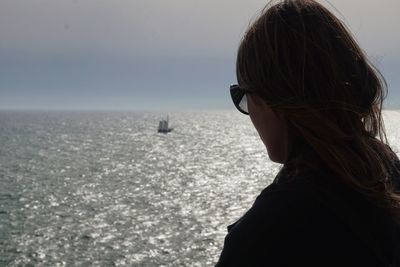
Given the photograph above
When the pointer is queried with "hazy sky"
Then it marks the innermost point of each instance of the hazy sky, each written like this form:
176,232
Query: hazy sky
151,54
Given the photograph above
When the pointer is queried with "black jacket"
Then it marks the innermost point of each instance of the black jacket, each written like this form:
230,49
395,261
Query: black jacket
310,220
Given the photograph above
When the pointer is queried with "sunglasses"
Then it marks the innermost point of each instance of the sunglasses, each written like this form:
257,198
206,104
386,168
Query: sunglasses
239,98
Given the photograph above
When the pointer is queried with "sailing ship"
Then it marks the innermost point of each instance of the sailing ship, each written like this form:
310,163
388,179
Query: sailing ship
163,126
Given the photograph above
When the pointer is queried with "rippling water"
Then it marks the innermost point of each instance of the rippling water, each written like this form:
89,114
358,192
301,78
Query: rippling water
105,189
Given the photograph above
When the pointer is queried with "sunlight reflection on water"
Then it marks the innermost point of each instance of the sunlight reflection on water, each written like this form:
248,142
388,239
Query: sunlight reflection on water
100,189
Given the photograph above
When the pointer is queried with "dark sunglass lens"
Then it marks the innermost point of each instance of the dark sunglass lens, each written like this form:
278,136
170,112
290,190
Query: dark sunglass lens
243,104
239,98
236,94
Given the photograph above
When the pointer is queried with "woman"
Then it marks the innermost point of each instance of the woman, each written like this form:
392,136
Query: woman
316,102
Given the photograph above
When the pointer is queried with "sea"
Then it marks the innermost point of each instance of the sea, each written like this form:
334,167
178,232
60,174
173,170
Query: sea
105,189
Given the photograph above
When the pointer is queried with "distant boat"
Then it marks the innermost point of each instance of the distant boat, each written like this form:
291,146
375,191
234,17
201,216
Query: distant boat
163,126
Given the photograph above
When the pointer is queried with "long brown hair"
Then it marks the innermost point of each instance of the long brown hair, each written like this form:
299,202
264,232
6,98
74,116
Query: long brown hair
306,65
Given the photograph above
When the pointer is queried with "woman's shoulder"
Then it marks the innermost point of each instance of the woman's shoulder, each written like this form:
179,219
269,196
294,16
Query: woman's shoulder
291,216
293,191
295,200
287,225
315,192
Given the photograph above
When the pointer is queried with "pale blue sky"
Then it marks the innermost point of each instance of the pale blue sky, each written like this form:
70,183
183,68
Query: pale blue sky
151,54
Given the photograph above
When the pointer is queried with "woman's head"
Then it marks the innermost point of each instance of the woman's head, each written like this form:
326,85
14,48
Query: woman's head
305,64
302,62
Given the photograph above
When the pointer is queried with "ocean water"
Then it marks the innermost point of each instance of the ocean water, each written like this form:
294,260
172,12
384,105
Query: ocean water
105,189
